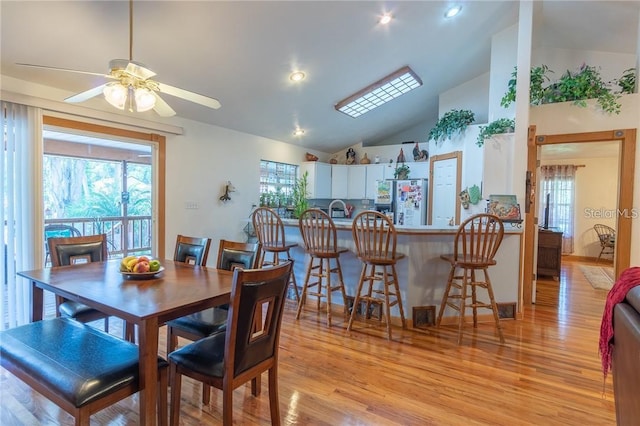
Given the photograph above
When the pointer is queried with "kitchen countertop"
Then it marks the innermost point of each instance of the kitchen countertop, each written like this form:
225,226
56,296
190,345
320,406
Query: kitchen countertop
345,225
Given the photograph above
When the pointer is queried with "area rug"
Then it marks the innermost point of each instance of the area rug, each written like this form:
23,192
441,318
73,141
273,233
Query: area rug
600,277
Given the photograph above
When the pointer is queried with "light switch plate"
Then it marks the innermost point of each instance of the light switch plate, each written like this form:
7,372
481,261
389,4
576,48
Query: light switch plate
192,205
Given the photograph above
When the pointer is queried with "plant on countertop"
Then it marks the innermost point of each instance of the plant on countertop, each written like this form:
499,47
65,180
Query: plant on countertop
451,123
501,125
576,87
299,196
401,171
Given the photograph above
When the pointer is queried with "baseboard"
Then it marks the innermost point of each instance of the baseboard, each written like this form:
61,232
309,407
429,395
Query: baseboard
573,258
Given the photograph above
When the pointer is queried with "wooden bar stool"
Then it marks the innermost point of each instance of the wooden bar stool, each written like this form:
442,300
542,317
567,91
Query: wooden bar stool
319,235
476,243
270,232
375,238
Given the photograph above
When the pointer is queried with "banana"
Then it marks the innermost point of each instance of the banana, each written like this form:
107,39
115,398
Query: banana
131,263
124,263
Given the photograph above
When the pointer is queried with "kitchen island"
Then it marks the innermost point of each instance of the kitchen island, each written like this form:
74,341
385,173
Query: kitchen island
422,275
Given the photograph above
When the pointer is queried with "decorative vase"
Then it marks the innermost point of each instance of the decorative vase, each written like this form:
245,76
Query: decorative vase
365,159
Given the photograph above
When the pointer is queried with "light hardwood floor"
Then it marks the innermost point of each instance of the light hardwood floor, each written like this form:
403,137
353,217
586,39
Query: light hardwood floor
548,373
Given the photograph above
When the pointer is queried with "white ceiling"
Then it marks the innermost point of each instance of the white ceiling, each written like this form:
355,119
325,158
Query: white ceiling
242,52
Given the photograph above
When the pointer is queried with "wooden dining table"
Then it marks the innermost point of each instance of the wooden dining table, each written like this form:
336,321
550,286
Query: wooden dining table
178,290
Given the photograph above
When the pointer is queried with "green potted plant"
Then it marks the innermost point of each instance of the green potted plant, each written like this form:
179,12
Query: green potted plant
501,125
576,87
451,123
627,82
401,171
300,194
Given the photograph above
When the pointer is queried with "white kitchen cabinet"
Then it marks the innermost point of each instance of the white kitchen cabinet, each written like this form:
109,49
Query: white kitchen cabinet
357,182
376,172
319,179
419,170
339,181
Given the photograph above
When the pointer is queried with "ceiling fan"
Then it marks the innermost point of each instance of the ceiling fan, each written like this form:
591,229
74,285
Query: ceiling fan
132,87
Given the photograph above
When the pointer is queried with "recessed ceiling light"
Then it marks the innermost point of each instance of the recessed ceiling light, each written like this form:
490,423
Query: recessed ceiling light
385,19
452,11
297,76
298,132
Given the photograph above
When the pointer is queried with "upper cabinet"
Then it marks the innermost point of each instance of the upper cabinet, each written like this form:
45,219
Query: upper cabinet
419,170
376,172
339,181
319,179
357,181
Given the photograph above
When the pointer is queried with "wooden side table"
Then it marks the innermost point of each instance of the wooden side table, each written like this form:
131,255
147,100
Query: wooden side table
549,252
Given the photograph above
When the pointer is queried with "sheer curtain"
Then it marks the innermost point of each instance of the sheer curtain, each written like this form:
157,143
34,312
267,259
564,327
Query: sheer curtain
20,208
559,182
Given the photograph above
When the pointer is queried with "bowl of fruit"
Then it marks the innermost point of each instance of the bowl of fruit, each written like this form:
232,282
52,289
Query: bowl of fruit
140,267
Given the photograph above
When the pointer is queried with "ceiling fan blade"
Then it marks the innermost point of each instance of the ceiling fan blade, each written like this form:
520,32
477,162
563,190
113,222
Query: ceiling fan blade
64,69
138,70
162,108
83,96
190,96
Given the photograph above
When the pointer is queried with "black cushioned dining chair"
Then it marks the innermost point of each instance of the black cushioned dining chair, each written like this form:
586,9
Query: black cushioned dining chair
227,360
192,250
66,251
57,231
196,326
475,246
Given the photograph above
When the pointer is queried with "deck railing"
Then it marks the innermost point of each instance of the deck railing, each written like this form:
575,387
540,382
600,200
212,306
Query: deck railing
126,235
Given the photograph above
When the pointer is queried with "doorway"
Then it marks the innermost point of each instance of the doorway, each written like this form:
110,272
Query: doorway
626,177
129,167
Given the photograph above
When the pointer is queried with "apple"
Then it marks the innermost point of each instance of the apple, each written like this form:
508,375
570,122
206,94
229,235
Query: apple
143,259
141,267
154,265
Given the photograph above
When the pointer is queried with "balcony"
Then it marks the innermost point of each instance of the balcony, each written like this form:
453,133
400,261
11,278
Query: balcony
126,235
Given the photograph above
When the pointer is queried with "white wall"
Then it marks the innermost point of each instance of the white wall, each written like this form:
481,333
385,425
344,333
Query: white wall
504,54
472,95
595,200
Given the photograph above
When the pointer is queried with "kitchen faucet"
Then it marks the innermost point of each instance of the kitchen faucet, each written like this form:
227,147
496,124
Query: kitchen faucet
337,201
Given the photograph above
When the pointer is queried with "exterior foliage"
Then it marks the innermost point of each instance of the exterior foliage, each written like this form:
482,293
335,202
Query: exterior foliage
300,195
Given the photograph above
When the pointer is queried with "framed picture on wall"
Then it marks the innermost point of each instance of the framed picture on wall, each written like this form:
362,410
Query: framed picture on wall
506,207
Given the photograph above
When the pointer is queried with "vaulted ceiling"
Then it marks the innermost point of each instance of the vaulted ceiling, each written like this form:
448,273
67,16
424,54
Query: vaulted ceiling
242,53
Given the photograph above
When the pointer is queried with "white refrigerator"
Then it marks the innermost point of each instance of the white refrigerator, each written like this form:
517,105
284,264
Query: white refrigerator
410,202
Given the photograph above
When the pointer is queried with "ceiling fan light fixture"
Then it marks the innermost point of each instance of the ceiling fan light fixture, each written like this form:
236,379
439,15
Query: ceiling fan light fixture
116,94
145,99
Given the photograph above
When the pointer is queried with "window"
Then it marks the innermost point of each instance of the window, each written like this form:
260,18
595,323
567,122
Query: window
276,184
559,182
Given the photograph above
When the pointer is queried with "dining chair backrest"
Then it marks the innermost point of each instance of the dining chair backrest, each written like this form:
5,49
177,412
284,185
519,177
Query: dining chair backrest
268,227
374,235
255,292
232,255
478,238
192,250
318,231
73,250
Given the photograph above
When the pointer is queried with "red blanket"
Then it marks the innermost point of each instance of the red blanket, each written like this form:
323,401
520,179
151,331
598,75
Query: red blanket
628,279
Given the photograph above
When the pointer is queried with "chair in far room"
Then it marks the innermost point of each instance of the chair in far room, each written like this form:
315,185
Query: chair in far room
607,239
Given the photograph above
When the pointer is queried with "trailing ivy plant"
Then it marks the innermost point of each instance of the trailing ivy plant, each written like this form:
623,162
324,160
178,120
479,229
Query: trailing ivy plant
451,123
538,80
627,82
574,87
501,125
